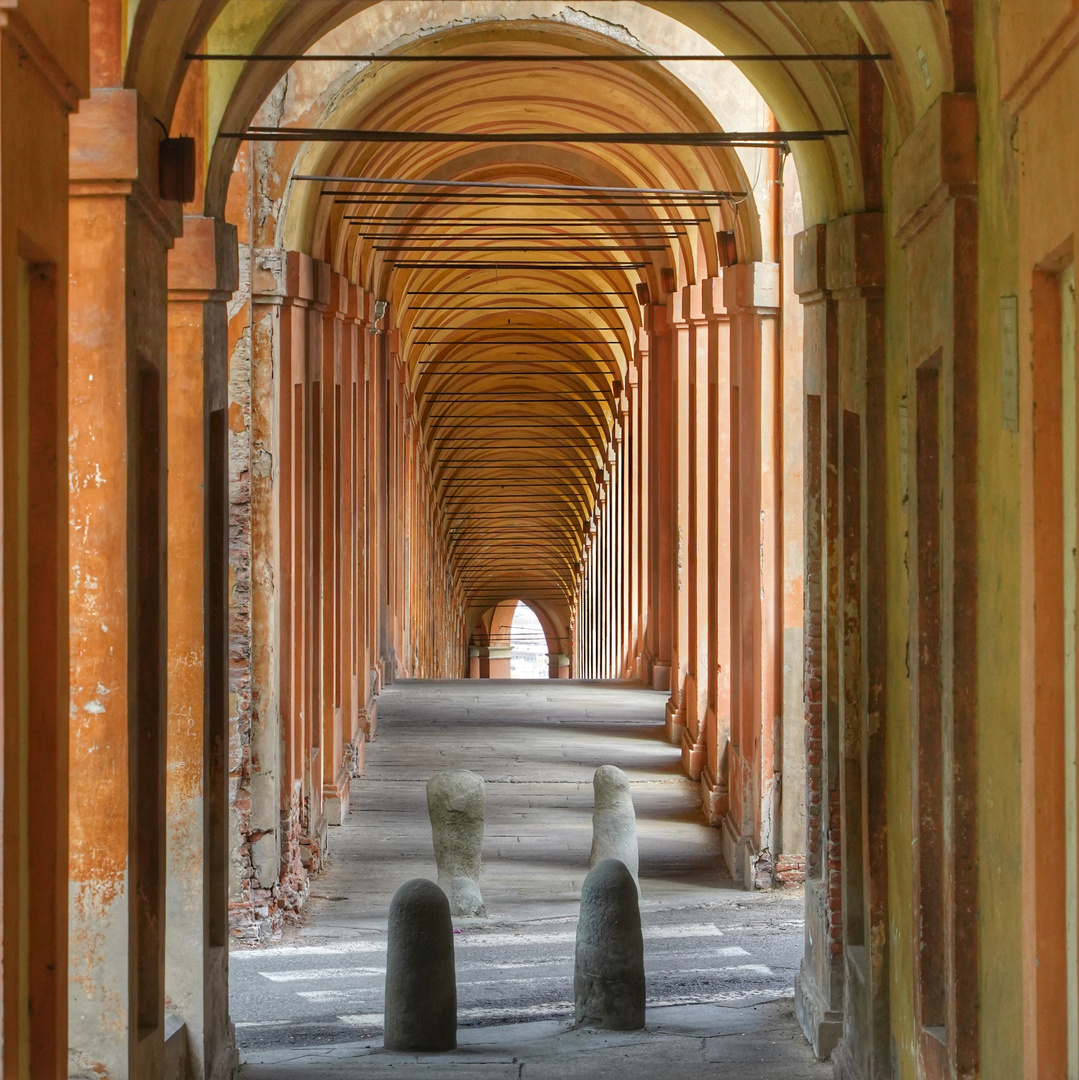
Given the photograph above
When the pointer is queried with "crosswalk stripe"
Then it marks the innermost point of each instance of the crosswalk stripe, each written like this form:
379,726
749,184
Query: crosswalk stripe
480,940
326,974
720,972
557,1009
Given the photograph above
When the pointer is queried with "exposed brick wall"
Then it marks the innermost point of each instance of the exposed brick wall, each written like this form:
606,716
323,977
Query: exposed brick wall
813,641
258,908
835,876
790,871
259,914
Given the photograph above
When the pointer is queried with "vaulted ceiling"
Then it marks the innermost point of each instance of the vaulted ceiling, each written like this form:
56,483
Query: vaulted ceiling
514,269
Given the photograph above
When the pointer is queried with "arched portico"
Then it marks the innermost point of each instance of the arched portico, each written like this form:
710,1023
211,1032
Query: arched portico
282,496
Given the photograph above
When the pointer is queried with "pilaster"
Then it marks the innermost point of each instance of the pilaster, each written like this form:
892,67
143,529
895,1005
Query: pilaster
819,985
662,541
202,276
120,232
751,297
714,776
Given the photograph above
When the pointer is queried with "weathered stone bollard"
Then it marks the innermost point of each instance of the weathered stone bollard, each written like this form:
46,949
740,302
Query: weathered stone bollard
608,977
421,981
614,823
455,802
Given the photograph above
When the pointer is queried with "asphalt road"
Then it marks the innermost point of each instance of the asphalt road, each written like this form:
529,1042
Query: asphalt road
537,745
307,994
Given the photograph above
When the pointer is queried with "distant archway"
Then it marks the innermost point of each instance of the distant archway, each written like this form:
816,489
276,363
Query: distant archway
528,642
491,640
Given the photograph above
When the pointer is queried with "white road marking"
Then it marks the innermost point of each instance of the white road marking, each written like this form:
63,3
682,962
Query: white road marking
476,941
652,933
324,973
563,1008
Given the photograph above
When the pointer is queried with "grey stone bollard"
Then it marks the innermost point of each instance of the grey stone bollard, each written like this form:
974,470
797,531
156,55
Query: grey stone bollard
421,981
614,823
455,802
608,976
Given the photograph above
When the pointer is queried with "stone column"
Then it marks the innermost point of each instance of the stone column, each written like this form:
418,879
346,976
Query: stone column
202,275
700,551
855,278
661,509
715,771
643,466
626,453
120,232
334,602
313,749
819,983
352,508
632,464
752,300
679,421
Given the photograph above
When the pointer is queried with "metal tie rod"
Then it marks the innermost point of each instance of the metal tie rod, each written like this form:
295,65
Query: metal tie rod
615,138
542,58
442,264
456,221
512,185
456,245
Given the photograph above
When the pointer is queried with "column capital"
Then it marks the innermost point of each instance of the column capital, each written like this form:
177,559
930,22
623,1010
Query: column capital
751,288
339,299
278,275
855,253
357,307
937,161
321,277
811,263
113,150
655,318
204,262
713,306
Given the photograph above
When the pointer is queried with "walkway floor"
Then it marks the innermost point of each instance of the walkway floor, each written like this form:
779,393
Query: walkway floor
720,962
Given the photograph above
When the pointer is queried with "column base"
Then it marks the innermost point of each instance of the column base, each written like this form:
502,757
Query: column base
739,854
335,795
821,1026
177,1056
693,754
676,722
227,1059
661,676
314,845
844,1065
369,713
715,799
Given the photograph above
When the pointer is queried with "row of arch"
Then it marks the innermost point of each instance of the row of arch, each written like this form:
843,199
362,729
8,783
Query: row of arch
261,521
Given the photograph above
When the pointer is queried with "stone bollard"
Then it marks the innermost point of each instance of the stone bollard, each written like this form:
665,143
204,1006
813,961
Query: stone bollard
421,981
614,824
455,802
608,977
